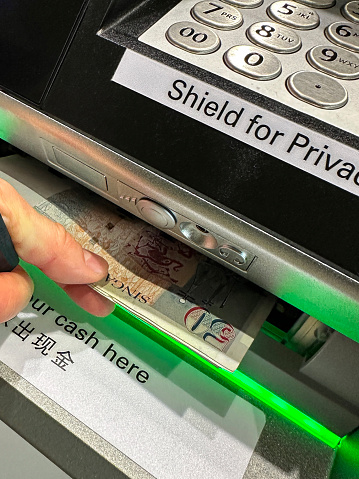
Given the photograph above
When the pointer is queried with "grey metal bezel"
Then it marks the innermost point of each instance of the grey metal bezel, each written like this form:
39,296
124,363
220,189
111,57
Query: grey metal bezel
279,267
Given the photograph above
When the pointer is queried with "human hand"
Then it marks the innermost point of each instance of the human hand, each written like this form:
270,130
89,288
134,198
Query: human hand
47,245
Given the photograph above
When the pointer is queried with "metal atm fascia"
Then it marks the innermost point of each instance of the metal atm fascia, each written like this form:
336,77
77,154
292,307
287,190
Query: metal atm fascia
105,136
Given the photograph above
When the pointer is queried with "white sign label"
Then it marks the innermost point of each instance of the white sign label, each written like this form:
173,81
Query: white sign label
301,147
159,411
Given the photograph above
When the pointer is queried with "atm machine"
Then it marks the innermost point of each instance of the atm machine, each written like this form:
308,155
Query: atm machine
230,126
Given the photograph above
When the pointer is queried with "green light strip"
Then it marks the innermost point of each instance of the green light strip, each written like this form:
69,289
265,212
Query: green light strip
238,379
284,408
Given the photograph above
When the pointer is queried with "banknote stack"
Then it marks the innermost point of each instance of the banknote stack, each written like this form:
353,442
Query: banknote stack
164,282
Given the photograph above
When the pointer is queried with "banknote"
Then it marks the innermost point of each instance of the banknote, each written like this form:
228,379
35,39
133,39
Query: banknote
161,280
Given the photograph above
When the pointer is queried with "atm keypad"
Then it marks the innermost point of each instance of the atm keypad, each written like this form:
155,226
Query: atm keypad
259,39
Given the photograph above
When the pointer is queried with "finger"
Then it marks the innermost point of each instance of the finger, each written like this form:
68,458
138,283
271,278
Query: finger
16,289
46,244
89,299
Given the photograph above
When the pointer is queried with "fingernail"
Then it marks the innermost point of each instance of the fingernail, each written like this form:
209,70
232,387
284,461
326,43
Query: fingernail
95,262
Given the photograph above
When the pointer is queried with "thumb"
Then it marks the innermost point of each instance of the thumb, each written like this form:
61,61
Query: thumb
47,245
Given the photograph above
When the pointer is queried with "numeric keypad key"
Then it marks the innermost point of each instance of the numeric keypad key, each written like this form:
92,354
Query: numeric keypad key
193,37
245,3
350,11
217,15
335,61
317,89
253,62
274,37
318,3
344,34
294,15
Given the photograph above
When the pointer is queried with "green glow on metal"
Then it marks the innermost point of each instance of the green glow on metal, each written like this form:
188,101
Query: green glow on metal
346,463
237,379
284,408
273,332
310,290
6,125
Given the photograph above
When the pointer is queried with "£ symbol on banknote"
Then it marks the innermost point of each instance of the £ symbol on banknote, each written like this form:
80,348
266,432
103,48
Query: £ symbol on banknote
213,330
